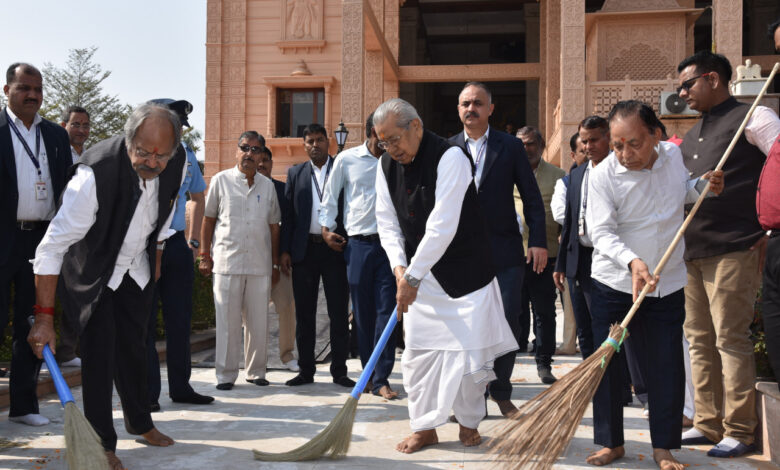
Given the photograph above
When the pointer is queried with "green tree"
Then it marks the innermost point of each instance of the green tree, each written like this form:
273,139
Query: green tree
192,137
80,83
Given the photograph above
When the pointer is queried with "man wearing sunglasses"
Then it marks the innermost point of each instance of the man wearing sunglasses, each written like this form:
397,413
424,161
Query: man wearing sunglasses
108,261
724,253
240,247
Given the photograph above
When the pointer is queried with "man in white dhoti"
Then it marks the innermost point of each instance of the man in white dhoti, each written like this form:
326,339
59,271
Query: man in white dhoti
429,224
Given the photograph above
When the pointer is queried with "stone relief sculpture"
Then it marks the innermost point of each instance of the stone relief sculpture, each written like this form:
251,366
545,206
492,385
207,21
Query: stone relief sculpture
303,19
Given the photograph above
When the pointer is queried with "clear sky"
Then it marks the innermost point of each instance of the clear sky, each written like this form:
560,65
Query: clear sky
154,49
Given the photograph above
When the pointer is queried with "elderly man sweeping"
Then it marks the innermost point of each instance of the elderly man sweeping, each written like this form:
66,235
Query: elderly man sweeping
429,224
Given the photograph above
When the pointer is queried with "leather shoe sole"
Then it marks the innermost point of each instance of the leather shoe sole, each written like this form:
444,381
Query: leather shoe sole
696,441
299,380
344,381
260,382
741,449
194,399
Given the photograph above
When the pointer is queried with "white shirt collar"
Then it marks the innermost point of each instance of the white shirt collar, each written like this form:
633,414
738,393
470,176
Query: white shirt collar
476,141
18,122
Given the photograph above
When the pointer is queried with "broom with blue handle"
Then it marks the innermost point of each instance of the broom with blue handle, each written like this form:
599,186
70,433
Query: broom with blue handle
84,449
334,440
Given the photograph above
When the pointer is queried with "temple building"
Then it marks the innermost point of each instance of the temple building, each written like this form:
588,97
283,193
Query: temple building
275,66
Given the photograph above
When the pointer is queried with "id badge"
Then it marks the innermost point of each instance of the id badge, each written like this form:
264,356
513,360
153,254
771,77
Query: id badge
41,193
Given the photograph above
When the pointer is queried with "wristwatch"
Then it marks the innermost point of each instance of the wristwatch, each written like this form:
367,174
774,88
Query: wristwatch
161,246
413,281
275,266
194,243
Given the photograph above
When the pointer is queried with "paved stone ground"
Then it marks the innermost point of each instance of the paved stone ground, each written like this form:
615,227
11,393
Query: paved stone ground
278,418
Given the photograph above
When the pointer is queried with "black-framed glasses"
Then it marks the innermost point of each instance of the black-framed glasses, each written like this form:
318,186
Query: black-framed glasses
253,148
687,84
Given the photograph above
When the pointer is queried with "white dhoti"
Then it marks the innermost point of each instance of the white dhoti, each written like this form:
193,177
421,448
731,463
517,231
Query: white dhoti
450,348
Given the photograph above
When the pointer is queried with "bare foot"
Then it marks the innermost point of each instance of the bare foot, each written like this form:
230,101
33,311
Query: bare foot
666,460
387,393
113,461
605,456
417,441
687,422
156,438
469,437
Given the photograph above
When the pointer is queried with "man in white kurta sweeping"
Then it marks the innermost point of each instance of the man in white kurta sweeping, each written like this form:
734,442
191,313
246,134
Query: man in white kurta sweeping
430,226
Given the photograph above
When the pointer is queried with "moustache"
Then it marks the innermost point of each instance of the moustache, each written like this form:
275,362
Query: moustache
472,114
247,159
147,168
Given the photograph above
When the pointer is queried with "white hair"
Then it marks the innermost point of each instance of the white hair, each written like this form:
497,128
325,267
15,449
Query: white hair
403,112
142,112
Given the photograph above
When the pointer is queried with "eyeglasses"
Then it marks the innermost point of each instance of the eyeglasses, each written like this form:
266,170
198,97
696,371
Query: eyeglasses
254,149
392,141
687,84
141,153
77,125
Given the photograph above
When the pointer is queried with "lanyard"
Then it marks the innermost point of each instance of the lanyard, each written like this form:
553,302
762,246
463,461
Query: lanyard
584,201
314,178
480,153
34,158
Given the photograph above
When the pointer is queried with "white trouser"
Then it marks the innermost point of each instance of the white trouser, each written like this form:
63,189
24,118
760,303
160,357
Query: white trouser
241,300
689,409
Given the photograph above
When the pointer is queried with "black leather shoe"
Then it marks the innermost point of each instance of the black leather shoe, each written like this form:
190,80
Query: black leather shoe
195,399
154,407
225,386
299,380
545,373
344,381
260,382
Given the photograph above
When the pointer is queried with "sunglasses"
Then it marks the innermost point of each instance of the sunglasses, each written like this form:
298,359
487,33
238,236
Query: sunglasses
688,84
254,149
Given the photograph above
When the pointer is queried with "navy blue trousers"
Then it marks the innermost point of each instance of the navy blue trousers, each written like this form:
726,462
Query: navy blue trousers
174,289
510,282
539,294
580,292
658,326
17,270
372,288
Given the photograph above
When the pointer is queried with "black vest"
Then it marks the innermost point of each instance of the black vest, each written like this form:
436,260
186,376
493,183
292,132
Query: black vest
89,263
728,222
467,263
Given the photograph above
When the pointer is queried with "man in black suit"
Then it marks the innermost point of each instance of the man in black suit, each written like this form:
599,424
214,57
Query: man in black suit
304,249
282,291
34,159
501,165
574,257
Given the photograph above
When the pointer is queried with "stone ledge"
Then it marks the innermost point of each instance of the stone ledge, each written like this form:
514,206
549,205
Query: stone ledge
768,429
198,342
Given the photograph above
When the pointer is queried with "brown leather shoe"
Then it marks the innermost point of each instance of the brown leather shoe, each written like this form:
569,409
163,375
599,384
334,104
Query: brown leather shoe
506,407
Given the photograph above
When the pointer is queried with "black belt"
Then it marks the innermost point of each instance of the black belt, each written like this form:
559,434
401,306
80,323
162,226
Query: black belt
29,225
314,238
374,237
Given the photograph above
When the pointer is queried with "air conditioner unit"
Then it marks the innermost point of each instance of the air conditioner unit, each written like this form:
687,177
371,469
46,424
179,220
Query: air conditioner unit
673,105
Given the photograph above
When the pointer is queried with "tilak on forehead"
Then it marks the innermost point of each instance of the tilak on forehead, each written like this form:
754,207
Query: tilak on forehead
155,149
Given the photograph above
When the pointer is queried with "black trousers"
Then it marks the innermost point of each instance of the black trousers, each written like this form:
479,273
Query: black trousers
771,302
539,292
113,346
175,290
658,325
24,365
321,262
580,291
510,282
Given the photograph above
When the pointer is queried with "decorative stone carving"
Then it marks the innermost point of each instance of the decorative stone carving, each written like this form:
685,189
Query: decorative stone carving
302,19
352,62
641,61
728,29
301,69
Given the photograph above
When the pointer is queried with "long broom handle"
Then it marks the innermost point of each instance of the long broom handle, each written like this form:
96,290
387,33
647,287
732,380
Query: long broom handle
380,346
695,208
59,381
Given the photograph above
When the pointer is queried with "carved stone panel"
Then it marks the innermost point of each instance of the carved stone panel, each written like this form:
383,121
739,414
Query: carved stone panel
302,20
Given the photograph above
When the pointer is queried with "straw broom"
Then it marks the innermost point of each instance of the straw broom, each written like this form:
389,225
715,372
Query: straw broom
84,449
334,440
559,409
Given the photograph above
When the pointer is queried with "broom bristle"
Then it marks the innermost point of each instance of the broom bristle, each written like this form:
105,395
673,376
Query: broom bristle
556,412
84,449
332,441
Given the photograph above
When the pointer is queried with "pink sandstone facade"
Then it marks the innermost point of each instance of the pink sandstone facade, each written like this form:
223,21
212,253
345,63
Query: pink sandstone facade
259,52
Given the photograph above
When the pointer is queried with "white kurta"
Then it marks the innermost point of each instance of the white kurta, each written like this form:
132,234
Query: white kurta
450,343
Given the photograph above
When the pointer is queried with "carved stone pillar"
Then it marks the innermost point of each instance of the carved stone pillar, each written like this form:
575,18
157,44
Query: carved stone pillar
552,61
391,30
728,29
233,84
373,67
352,68
213,86
573,77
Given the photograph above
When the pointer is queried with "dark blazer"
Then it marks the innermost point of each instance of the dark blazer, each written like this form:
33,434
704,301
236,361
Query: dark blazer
279,187
506,166
57,144
569,253
296,216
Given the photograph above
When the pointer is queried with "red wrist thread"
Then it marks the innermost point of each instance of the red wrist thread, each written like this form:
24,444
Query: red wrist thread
45,310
